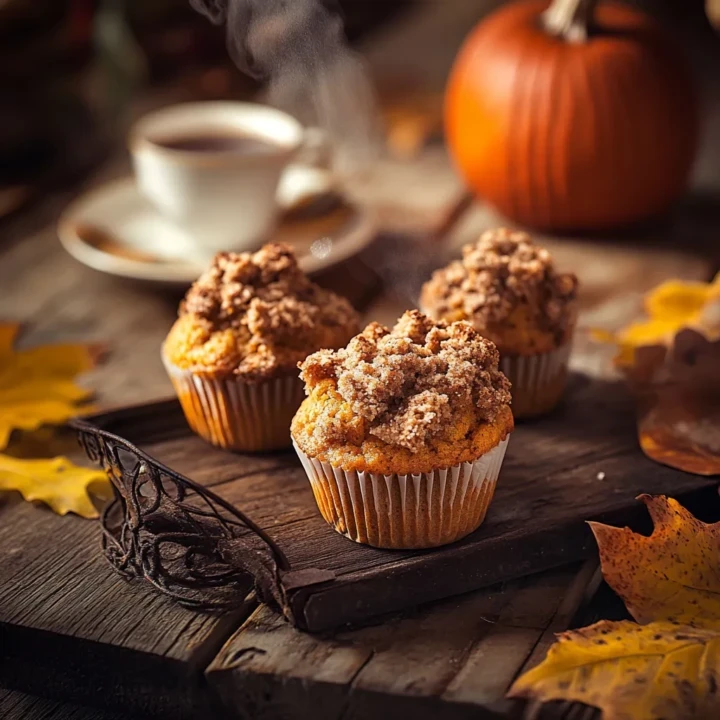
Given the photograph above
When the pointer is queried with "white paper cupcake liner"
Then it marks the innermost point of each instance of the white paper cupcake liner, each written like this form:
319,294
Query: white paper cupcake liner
538,381
406,511
236,415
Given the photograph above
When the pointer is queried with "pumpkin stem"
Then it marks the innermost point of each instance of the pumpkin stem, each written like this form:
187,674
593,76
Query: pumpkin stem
570,20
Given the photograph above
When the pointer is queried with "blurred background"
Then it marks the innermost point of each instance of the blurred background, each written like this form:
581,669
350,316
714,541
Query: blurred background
74,71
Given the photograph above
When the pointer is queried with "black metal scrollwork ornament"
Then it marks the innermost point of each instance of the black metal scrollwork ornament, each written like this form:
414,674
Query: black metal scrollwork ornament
181,537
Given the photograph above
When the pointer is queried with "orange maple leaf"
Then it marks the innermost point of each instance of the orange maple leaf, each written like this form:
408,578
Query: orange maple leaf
674,574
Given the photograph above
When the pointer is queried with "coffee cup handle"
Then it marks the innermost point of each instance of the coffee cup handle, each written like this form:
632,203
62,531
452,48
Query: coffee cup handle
315,149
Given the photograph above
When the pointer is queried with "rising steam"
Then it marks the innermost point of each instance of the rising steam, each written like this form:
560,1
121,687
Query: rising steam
298,47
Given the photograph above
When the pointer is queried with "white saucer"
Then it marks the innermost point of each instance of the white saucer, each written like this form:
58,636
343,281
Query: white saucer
113,229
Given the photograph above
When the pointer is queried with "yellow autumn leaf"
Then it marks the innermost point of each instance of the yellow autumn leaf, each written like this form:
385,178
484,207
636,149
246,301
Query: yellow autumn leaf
632,672
657,331
36,385
55,481
670,307
674,300
57,361
674,574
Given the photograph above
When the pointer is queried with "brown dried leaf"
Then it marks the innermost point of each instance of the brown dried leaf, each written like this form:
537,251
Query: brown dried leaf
672,361
678,393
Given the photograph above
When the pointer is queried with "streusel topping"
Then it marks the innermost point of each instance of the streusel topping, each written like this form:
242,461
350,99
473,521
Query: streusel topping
503,269
254,314
406,385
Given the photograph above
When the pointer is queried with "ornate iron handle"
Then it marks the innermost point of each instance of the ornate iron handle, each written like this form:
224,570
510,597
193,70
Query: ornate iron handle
185,540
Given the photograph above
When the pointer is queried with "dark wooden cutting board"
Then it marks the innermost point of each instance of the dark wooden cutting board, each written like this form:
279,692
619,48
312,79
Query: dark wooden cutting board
582,462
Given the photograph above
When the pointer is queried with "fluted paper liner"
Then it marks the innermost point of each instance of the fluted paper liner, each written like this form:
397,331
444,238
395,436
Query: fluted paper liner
538,381
406,511
237,415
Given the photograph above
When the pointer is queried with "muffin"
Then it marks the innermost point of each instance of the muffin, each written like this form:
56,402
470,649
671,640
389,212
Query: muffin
241,331
403,432
508,288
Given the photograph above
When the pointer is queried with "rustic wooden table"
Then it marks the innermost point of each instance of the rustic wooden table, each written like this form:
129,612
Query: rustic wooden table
453,659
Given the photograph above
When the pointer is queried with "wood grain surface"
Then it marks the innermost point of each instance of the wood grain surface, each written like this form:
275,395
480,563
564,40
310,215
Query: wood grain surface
140,651
19,706
456,657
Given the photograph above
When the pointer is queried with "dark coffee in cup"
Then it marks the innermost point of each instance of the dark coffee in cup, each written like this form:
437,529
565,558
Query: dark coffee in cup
216,141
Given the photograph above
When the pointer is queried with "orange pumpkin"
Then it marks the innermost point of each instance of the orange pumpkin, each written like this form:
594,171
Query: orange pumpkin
578,116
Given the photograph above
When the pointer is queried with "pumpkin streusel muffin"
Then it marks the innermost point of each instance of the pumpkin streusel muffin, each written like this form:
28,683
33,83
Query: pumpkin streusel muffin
508,288
403,432
233,352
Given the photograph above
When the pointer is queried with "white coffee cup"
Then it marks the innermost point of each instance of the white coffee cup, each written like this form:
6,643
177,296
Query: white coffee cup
221,200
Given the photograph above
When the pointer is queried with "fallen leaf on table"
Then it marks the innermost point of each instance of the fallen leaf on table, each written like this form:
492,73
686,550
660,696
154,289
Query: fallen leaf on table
670,307
632,672
666,668
55,481
672,362
674,574
36,385
678,396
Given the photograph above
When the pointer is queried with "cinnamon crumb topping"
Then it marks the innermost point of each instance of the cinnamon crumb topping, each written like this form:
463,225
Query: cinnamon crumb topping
275,315
406,385
503,269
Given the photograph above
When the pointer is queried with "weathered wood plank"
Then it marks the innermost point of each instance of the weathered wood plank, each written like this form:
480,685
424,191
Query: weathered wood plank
417,663
283,672
582,592
139,651
18,706
484,679
487,656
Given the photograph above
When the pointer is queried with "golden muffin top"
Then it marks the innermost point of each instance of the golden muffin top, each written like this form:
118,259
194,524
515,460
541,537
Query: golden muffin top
411,387
503,272
256,315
